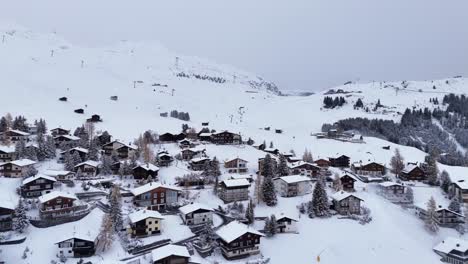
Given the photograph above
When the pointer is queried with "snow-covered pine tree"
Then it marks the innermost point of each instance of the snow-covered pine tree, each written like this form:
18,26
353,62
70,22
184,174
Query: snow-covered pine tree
20,149
250,212
267,227
268,170
76,158
42,152
445,181
69,163
455,205
106,163
432,170
337,185
409,195
3,124
320,206
115,212
283,169
268,191
50,147
31,153
273,225
397,163
106,235
215,165
93,151
20,219
430,221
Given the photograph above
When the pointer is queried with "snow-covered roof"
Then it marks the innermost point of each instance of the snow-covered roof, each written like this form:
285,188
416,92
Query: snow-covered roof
270,149
169,250
22,162
301,163
338,196
80,149
148,167
39,176
349,175
87,236
234,230
390,183
189,208
236,183
451,243
91,163
205,134
7,149
19,132
229,160
238,177
143,214
56,173
282,216
195,149
151,186
221,132
294,178
409,168
8,204
199,159
70,137
52,195
461,184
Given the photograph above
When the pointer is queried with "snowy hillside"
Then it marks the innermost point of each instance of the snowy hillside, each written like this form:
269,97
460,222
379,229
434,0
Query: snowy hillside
149,80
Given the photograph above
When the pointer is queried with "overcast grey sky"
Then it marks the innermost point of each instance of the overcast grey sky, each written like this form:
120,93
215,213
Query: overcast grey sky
299,44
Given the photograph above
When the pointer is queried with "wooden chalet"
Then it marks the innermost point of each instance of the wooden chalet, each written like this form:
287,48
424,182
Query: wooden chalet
14,135
89,168
94,119
170,254
286,224
169,137
57,204
199,164
164,159
190,153
186,143
143,171
16,168
78,245
234,190
59,132
121,150
79,111
452,250
413,173
236,165
444,217
196,214
226,137
81,151
238,240
346,203
322,163
7,153
7,209
372,169
205,136
61,139
304,168
347,182
156,196
103,138
62,175
340,162
273,151
144,223
36,186
459,189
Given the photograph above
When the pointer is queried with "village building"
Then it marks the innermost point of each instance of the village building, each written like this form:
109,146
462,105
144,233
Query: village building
238,240
236,165
199,164
286,224
37,185
293,159
186,143
340,162
293,185
346,203
14,135
169,137
59,204
61,139
170,254
59,132
322,163
60,175
205,136
452,250
304,168
234,190
273,151
459,189
347,182
413,172
7,153
190,153
226,137
103,138
143,171
119,149
89,168
7,209
196,214
156,196
260,146
144,223
238,177
16,168
444,216
164,159
78,245
372,169
389,188
81,151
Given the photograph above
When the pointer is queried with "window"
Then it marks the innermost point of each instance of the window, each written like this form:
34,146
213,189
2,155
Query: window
162,194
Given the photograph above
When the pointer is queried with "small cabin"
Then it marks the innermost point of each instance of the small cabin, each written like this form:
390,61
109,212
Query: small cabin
94,118
79,111
63,99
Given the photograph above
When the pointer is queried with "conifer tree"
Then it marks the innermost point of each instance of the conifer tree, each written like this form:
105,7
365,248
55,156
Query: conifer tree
445,181
273,225
106,163
268,166
409,195
455,205
430,221
93,151
250,212
320,206
116,208
397,163
282,166
20,149
432,170
69,162
20,219
267,227
268,191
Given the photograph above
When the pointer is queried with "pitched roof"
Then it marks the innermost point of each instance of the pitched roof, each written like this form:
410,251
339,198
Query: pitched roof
338,196
236,183
390,183
148,167
80,235
7,149
451,243
91,163
200,159
56,173
236,159
302,163
151,186
22,162
234,230
169,250
70,137
409,168
19,132
52,195
143,214
462,184
237,177
294,178
189,208
39,176
283,216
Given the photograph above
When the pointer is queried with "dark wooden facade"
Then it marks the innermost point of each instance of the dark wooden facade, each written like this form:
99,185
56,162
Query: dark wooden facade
169,137
241,247
340,162
323,163
173,260
37,187
77,247
413,174
59,131
372,168
6,219
226,137
348,183
140,173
